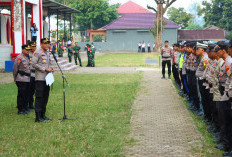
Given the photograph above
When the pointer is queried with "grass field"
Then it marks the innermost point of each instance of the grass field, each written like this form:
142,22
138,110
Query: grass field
125,60
100,105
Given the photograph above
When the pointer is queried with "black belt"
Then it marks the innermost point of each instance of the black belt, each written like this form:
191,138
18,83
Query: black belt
24,73
165,57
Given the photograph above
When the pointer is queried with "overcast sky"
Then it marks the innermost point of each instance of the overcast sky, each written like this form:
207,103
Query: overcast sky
179,3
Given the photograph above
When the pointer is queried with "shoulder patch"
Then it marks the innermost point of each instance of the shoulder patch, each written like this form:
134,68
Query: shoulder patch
35,54
19,60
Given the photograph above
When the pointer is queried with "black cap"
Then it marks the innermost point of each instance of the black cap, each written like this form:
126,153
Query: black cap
221,46
45,40
26,47
33,44
211,47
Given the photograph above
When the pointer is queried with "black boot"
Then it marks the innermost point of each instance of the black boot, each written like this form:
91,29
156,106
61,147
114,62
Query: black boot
163,77
44,117
38,118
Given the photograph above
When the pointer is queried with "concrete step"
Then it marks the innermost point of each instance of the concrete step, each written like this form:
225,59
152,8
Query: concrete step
73,67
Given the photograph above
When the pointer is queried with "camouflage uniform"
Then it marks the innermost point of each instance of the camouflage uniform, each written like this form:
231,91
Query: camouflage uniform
77,55
70,53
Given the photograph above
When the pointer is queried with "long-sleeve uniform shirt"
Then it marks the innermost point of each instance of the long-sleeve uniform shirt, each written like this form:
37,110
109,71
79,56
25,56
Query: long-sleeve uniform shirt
21,69
193,64
40,61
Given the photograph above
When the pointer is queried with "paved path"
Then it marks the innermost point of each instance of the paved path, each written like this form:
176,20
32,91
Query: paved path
160,123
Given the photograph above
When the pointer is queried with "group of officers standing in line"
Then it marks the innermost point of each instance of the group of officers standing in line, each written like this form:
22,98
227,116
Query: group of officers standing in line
30,70
203,74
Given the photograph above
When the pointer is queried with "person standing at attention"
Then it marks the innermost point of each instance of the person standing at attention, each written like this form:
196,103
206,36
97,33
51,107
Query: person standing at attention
143,47
166,53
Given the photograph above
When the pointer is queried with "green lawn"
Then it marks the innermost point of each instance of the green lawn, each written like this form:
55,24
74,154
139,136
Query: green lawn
125,60
100,105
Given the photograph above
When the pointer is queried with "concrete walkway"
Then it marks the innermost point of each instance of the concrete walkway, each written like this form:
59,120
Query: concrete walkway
161,124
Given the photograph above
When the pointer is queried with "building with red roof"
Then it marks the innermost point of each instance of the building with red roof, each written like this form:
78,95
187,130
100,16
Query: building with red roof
131,7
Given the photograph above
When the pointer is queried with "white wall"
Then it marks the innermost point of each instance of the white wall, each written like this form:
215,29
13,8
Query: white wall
3,28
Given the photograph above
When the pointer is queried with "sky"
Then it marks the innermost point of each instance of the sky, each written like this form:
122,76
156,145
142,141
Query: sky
179,3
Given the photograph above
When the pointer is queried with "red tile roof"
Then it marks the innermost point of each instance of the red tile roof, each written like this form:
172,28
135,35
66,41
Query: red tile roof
137,21
201,34
131,7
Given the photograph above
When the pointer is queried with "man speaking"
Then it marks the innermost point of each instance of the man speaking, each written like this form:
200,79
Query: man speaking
42,64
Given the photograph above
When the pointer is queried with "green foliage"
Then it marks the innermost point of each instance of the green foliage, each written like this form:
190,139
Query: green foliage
218,13
229,36
194,26
179,16
97,13
100,105
97,38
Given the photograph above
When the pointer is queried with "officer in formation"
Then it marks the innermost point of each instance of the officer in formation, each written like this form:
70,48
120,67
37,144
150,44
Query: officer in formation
70,53
208,67
60,51
32,81
21,74
77,53
42,64
90,55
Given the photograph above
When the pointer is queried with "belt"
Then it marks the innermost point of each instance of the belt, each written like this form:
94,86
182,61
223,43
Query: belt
166,57
201,78
24,73
33,71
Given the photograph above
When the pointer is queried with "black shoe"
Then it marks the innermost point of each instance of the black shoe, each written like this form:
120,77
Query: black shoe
221,146
31,107
163,77
45,118
23,113
38,118
228,154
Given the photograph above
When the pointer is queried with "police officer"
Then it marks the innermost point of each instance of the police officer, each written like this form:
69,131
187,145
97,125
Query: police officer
77,54
204,60
42,64
175,64
166,53
193,65
21,74
32,81
224,106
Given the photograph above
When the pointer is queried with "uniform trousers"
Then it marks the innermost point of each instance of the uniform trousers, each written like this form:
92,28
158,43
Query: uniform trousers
42,95
168,62
225,118
31,91
205,100
194,91
175,73
22,98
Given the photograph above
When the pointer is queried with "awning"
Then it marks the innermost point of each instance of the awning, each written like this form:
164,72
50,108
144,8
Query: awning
54,7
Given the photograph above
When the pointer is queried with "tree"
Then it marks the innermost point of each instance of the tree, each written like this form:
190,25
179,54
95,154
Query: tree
193,26
179,16
218,13
159,23
94,14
